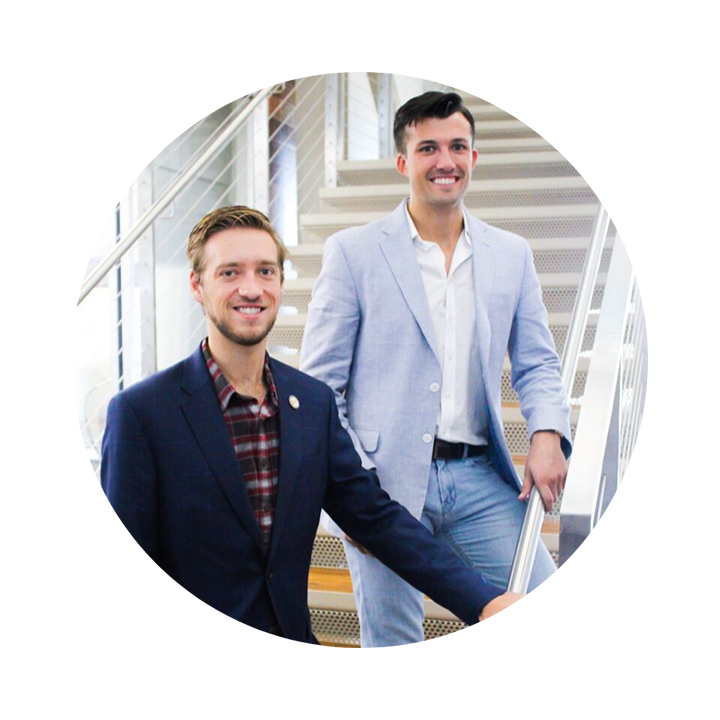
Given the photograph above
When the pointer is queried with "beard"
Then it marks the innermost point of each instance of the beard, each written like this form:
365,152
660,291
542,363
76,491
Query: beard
247,339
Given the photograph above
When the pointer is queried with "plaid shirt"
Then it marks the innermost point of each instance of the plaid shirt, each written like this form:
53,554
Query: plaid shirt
254,433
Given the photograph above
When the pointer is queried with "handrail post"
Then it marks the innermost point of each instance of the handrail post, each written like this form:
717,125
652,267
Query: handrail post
385,115
532,525
332,103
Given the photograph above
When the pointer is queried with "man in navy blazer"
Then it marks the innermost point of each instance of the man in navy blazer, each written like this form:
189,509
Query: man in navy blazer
172,458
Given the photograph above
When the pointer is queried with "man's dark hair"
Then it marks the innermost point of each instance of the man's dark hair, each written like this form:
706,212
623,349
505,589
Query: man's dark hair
431,104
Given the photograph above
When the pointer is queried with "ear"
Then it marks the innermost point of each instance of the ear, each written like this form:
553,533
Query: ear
474,158
196,287
401,164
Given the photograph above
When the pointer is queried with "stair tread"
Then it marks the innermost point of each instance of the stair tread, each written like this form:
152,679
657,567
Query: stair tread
487,214
536,244
564,182
541,157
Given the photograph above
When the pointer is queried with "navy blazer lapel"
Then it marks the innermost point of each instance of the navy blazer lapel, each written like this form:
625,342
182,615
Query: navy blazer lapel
483,276
291,426
398,249
203,413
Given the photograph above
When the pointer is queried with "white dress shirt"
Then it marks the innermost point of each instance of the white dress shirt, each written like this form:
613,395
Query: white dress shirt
451,299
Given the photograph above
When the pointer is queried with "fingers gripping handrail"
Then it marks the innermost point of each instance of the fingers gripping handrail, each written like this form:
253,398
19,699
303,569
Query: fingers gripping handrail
142,225
530,533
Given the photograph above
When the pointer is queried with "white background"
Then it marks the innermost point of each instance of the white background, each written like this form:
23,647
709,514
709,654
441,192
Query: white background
626,92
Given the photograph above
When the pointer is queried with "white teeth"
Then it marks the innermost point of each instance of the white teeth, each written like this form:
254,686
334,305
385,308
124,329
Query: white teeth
443,181
250,310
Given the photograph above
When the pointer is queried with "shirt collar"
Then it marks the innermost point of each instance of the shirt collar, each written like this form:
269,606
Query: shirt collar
426,245
222,385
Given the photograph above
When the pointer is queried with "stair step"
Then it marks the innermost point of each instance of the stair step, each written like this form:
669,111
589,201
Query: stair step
558,296
485,112
289,331
502,128
538,221
546,280
332,604
496,193
490,165
291,357
306,260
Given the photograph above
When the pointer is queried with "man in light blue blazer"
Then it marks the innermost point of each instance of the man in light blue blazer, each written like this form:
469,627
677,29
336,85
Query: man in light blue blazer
409,323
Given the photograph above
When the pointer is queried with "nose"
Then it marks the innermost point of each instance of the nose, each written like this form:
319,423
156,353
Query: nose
444,159
248,287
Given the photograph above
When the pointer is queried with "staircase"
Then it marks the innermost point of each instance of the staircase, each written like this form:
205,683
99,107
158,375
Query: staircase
520,184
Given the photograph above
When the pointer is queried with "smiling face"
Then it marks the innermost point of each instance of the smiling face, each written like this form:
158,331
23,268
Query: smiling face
240,286
438,160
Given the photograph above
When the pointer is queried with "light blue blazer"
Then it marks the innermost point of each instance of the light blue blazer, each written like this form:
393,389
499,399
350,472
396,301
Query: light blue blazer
369,335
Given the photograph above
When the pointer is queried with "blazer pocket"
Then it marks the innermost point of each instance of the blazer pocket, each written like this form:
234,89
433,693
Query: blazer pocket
368,439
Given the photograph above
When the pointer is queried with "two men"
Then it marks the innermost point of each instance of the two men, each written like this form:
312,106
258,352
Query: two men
409,324
219,466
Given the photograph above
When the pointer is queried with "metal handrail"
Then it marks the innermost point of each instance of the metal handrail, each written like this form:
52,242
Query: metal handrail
147,219
596,468
532,525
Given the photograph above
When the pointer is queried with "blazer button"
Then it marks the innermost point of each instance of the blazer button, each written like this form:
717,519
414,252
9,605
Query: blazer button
427,438
434,387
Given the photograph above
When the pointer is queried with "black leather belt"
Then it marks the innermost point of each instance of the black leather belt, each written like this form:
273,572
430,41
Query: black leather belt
443,450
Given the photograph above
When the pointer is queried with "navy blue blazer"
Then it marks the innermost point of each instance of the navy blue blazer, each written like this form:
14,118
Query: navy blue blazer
171,474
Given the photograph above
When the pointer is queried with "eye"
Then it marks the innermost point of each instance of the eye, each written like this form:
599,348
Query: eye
228,273
267,271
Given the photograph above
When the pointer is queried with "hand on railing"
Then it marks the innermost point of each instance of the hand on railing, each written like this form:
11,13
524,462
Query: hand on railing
499,603
545,467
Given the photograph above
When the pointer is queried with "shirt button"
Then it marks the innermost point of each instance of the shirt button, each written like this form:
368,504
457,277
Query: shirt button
427,437
434,387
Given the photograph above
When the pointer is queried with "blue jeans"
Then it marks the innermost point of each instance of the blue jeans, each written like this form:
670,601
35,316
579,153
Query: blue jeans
469,507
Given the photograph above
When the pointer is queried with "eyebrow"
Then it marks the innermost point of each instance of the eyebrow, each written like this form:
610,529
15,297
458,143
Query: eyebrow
435,142
235,264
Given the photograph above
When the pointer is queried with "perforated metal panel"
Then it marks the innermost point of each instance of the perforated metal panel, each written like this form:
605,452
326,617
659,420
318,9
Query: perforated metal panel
343,628
304,265
561,299
297,299
524,170
566,261
560,333
328,552
547,227
508,395
286,336
488,134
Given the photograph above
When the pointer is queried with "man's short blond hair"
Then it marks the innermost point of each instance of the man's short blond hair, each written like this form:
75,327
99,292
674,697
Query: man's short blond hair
224,218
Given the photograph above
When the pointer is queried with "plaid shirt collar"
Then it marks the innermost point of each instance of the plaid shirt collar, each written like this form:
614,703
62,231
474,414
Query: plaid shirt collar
225,390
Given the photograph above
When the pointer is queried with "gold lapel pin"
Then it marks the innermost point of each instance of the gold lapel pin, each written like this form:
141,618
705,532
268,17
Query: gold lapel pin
294,402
